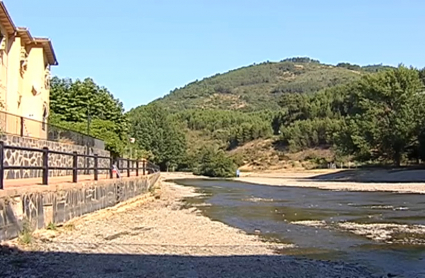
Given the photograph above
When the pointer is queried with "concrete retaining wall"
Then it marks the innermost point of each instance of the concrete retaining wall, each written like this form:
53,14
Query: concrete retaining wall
41,205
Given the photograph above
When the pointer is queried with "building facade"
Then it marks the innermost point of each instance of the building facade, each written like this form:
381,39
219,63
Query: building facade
25,63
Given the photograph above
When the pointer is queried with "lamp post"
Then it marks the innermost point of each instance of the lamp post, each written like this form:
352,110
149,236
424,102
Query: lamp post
132,140
88,120
87,172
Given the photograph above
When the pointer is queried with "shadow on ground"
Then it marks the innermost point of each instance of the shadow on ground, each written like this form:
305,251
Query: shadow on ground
15,263
399,175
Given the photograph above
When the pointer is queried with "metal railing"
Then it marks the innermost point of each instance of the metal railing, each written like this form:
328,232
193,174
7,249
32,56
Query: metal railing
131,165
30,128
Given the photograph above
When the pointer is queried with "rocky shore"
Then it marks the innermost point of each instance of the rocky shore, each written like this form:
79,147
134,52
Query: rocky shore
155,236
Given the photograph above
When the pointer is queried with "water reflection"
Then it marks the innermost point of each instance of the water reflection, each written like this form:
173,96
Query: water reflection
272,210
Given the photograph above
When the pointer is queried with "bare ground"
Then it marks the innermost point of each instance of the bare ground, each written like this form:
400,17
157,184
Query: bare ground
155,237
402,181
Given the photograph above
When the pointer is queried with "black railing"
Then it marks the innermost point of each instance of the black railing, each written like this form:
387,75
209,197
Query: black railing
114,168
30,128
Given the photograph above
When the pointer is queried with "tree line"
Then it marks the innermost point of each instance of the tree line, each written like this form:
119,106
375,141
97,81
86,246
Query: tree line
378,117
74,103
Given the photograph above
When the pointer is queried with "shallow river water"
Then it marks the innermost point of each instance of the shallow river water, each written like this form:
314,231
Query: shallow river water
324,224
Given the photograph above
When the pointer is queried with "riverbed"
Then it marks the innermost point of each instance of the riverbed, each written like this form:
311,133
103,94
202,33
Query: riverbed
155,236
384,231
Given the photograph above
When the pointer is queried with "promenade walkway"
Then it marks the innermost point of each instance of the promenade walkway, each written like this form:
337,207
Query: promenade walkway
21,183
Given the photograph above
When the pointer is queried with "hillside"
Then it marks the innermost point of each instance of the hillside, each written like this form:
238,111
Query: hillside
293,113
258,86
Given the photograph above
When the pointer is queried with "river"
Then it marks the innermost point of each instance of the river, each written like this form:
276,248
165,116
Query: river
382,231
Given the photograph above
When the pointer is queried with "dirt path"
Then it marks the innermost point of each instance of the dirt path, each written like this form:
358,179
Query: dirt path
158,238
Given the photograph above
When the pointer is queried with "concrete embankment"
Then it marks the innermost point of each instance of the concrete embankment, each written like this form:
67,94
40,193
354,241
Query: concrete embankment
36,207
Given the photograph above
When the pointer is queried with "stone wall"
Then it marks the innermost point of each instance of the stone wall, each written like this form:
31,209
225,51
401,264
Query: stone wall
41,205
27,158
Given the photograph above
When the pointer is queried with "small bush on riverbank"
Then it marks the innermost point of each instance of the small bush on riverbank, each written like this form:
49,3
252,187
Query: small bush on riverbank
215,163
26,234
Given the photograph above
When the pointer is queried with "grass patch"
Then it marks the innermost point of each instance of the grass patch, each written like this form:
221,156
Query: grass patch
52,227
152,189
26,234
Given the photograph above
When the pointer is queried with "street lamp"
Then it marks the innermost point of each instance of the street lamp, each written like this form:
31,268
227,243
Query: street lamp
132,140
87,172
88,120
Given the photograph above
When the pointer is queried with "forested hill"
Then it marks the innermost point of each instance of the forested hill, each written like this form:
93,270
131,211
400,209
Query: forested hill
322,114
259,86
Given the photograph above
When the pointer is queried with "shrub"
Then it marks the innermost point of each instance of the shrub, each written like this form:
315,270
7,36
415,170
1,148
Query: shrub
215,163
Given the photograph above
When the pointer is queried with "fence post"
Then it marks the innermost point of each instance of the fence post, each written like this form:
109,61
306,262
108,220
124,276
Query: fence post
45,166
137,168
96,166
74,167
111,168
128,167
22,127
118,168
2,164
144,167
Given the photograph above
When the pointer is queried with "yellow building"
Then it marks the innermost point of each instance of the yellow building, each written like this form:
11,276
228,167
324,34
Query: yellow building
24,79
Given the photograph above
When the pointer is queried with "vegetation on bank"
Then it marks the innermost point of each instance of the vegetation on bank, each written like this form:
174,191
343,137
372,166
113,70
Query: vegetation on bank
157,134
372,113
214,162
74,103
376,118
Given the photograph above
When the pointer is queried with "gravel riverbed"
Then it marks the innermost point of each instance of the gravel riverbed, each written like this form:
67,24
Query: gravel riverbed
411,181
155,236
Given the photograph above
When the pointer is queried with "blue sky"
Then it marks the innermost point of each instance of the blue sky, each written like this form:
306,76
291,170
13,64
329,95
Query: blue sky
142,49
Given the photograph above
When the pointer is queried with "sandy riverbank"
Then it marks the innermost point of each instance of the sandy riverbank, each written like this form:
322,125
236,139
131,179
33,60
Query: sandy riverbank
402,181
153,237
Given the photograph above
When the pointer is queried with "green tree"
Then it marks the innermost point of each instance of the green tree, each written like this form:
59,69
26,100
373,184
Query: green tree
73,102
156,132
214,162
310,133
422,75
100,129
384,119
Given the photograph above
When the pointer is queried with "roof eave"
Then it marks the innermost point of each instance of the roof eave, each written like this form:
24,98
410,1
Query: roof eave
6,20
25,34
48,49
